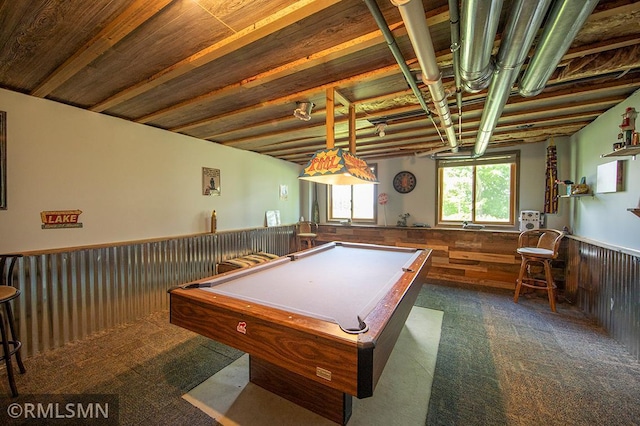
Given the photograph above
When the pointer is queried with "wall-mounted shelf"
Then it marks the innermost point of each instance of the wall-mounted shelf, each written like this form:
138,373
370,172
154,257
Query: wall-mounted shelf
635,211
589,194
627,150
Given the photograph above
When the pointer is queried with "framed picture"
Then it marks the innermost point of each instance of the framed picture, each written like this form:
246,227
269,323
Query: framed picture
284,192
273,217
3,160
210,181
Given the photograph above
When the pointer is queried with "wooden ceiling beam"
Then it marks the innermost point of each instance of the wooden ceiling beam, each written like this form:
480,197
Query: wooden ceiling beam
434,17
532,111
427,140
299,65
419,142
613,8
267,26
342,99
128,21
603,46
270,123
386,71
543,97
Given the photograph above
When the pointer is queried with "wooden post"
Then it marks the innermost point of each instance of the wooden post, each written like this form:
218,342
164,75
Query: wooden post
330,119
352,129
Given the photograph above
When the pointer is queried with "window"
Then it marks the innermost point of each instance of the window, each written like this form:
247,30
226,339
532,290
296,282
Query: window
356,203
479,190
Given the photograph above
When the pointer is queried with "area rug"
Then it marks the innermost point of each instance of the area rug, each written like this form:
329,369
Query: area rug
400,398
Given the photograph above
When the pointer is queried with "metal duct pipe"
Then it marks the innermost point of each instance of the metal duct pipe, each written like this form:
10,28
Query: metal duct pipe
393,46
479,27
522,26
565,20
454,22
413,15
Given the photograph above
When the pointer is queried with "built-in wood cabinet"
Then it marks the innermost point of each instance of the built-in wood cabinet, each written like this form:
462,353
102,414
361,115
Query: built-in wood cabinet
482,257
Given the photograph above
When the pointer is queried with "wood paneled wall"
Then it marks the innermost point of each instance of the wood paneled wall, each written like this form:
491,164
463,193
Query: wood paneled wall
480,257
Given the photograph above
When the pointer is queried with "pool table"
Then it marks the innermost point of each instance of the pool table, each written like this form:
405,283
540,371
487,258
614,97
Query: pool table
318,325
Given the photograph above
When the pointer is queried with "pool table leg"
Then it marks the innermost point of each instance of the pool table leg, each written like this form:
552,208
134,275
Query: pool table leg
323,400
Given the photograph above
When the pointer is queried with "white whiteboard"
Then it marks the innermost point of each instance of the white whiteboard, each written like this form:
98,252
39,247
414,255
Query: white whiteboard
609,177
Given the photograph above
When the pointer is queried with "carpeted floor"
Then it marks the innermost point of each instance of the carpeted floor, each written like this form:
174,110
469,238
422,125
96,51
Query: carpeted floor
499,363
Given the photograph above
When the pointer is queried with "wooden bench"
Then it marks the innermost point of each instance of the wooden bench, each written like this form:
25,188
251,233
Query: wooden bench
244,261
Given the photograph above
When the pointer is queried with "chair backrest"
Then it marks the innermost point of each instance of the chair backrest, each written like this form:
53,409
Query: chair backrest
541,238
7,264
307,227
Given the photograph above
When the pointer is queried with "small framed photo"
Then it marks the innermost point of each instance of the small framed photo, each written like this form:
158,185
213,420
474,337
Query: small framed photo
284,192
210,181
273,217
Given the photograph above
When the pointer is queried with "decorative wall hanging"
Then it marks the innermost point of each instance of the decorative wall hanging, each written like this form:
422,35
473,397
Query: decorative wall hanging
551,177
56,219
383,199
210,181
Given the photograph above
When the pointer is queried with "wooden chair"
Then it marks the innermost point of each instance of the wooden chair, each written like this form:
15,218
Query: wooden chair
10,343
538,247
307,232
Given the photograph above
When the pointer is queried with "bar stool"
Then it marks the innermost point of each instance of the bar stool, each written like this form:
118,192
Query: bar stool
307,233
10,344
538,246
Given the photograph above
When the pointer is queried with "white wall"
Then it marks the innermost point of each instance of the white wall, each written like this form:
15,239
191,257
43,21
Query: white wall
131,181
604,217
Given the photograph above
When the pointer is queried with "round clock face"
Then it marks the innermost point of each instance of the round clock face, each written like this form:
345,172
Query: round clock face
404,182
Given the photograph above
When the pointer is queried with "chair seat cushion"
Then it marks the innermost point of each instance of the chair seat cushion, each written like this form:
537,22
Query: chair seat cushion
268,256
245,261
7,292
535,251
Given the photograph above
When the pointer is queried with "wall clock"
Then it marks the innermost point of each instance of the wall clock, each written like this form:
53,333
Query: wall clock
404,182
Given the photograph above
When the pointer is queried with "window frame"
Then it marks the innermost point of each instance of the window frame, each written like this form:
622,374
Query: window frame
509,157
330,218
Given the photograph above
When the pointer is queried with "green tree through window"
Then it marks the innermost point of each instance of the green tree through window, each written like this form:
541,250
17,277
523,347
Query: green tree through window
493,189
478,190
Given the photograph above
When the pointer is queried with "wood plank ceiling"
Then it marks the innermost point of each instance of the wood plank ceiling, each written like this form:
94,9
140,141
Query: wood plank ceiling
232,72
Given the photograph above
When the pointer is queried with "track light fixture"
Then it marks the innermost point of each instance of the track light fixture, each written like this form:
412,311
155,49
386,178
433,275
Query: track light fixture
303,110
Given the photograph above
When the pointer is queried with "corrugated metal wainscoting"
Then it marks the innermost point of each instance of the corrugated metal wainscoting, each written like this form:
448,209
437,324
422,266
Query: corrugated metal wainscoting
605,283
69,295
